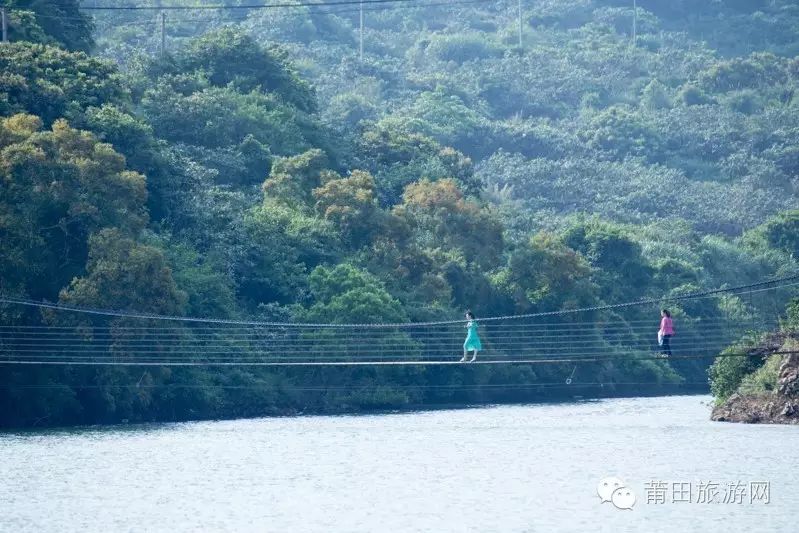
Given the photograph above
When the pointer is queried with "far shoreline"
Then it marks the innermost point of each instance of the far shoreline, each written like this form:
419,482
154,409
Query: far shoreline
609,391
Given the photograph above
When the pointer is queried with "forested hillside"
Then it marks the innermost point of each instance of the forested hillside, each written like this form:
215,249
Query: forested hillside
258,167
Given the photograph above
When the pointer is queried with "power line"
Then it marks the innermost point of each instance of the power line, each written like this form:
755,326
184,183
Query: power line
251,6
312,9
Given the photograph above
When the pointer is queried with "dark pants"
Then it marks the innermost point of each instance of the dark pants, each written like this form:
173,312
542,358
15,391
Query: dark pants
665,348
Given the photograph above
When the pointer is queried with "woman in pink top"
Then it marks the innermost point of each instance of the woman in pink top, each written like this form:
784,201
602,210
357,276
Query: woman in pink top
665,332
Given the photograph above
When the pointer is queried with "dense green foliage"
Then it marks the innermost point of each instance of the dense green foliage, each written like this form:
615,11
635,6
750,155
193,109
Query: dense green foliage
727,372
260,169
58,22
757,372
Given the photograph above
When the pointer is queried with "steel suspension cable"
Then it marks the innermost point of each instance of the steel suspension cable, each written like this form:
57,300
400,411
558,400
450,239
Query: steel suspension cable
150,316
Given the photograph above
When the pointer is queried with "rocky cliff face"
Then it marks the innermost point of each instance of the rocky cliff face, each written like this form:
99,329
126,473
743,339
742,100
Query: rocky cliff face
778,407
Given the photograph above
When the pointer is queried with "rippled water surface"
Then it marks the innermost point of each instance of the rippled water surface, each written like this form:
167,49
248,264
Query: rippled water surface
506,468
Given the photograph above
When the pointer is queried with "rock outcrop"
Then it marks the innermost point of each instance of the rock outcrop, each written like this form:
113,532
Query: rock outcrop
778,407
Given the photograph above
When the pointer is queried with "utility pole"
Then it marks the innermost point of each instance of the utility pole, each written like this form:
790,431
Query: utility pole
4,23
519,2
635,21
163,33
360,48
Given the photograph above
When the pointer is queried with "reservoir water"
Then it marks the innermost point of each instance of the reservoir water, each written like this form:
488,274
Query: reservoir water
501,468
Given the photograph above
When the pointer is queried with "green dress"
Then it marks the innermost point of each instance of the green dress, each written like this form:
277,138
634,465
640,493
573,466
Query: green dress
472,338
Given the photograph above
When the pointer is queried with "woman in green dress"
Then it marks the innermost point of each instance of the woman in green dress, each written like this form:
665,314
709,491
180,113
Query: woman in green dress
472,338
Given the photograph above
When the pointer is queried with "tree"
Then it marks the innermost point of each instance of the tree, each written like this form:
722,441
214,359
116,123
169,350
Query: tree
397,155
282,244
53,83
621,270
209,289
232,132
727,373
345,293
445,118
440,216
229,104
691,95
461,47
293,179
230,56
59,187
655,96
124,274
172,182
22,26
543,274
461,168
350,204
60,20
782,232
757,70
792,313
620,132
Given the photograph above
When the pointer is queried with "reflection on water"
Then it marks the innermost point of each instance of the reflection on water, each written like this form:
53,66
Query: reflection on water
507,468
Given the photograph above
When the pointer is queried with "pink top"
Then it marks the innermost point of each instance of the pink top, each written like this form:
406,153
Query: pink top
666,326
